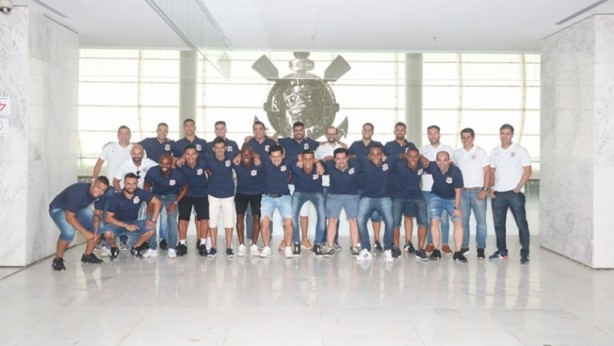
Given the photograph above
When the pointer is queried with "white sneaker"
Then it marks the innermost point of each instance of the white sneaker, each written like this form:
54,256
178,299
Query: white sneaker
208,243
172,253
241,250
104,252
150,253
288,252
253,250
364,255
388,256
266,252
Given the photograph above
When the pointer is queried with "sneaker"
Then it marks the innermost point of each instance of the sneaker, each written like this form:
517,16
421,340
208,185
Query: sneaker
306,244
123,245
409,247
163,245
208,243
266,252
58,264
317,250
202,250
377,246
459,257
242,250
150,253
501,255
198,242
355,251
364,255
524,259
288,252
213,251
296,250
465,250
172,253
388,256
91,258
435,255
181,249
229,253
446,249
429,248
136,253
421,255
481,255
104,252
328,251
396,252
253,250
337,247
114,253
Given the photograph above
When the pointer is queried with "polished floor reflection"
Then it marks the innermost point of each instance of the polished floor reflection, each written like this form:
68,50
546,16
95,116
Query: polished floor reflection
251,301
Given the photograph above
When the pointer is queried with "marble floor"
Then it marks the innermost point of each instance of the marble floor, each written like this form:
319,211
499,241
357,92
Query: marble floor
306,301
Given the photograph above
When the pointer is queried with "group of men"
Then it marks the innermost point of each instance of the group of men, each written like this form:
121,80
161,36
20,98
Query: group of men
163,181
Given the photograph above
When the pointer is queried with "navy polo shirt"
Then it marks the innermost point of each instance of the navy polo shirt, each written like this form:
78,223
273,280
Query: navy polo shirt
221,183
359,149
127,209
76,196
393,148
375,180
161,185
444,184
231,147
196,178
155,149
262,149
276,177
292,148
306,181
343,182
250,180
179,146
406,181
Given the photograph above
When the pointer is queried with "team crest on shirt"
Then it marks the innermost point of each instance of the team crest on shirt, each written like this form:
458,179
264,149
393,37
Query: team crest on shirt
513,154
449,180
199,147
351,171
283,168
254,173
473,157
199,171
315,177
266,148
385,167
406,149
172,182
420,171
227,163
136,200
306,146
229,148
167,147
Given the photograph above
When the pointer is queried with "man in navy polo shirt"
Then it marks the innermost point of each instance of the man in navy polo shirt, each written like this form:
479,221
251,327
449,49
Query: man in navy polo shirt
276,196
308,188
250,185
70,211
407,198
220,131
194,171
189,128
447,193
156,146
221,195
122,217
170,187
342,194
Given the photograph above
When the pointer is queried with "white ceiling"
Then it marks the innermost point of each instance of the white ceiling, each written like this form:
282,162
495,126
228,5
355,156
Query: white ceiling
397,25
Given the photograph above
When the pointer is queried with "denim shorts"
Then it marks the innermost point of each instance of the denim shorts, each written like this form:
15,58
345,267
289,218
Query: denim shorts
67,231
334,204
281,203
438,205
409,207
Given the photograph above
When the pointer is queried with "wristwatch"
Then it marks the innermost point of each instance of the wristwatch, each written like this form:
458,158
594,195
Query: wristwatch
485,188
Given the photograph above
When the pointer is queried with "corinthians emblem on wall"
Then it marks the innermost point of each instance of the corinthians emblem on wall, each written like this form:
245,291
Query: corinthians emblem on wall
302,96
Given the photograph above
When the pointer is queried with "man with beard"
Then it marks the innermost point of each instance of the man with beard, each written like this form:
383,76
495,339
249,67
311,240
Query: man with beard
220,131
156,146
137,165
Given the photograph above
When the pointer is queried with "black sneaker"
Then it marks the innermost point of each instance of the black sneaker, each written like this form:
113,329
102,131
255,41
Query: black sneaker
409,247
465,250
202,250
481,255
213,252
136,253
163,245
377,246
296,250
328,252
229,253
91,258
317,250
459,257
198,244
181,249
524,259
435,255
498,255
58,264
355,251
421,255
396,252
114,253
144,247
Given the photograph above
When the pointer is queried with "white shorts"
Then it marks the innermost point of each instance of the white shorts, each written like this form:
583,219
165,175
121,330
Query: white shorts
225,207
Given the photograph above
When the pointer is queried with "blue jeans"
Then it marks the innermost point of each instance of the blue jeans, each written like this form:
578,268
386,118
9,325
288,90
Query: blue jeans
317,199
408,206
132,236
516,202
168,223
366,206
470,203
444,225
67,232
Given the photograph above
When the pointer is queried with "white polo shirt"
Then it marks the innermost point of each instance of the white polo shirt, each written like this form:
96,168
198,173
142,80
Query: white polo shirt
430,153
323,151
129,167
114,154
509,164
471,163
